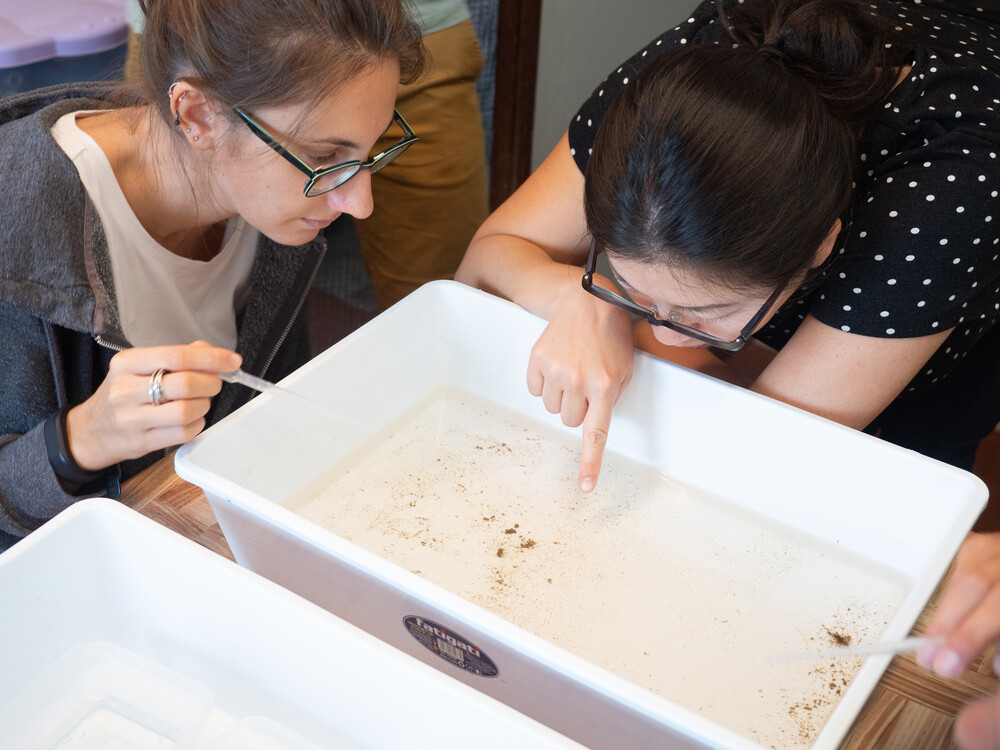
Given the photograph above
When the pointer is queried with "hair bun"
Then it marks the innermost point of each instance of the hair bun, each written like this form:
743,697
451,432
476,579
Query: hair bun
842,48
775,53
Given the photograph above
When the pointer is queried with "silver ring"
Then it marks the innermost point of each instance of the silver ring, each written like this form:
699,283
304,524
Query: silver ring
156,388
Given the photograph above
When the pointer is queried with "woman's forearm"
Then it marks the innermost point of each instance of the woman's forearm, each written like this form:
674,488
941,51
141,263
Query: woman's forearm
532,248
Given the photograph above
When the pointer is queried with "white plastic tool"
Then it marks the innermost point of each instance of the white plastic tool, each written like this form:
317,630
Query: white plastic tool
903,646
266,386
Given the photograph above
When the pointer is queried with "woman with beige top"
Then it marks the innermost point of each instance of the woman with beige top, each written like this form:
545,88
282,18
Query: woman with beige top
186,209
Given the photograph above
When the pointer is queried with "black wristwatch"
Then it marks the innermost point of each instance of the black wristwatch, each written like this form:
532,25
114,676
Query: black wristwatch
57,445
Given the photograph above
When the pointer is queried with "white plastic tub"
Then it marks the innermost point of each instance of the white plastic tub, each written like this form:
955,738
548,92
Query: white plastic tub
781,479
118,633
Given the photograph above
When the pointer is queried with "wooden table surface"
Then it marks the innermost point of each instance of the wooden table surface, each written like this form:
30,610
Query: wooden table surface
910,708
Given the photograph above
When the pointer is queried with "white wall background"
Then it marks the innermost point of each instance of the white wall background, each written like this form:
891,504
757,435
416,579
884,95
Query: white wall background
581,42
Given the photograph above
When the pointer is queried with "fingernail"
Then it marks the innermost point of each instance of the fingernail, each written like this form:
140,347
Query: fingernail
586,484
947,664
235,360
925,656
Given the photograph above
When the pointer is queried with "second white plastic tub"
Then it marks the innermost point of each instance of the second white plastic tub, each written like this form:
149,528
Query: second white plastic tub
118,633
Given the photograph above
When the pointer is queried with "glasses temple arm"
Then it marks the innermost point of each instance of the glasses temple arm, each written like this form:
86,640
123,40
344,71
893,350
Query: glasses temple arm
271,141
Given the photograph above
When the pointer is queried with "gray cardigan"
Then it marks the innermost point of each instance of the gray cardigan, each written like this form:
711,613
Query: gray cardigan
58,316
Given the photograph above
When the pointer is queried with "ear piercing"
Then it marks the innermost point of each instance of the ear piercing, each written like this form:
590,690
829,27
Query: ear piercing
170,95
177,115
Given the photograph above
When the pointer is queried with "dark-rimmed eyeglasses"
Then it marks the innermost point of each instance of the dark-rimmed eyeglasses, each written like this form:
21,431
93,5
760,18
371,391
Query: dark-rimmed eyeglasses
326,179
650,315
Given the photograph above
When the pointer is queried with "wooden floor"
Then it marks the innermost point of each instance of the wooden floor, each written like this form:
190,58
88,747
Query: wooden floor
987,468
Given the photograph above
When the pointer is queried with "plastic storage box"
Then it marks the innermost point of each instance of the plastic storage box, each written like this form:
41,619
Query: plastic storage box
118,633
790,477
55,41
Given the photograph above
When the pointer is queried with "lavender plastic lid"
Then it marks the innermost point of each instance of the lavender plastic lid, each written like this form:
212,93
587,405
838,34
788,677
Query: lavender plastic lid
36,30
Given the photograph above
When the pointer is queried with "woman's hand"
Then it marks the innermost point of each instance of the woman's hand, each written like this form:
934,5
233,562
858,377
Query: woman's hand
532,250
579,366
968,616
119,422
978,725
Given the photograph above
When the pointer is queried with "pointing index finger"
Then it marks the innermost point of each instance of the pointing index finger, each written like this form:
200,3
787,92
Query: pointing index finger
595,436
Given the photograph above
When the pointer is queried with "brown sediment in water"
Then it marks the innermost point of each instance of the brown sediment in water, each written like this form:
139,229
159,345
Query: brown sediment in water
427,520
838,639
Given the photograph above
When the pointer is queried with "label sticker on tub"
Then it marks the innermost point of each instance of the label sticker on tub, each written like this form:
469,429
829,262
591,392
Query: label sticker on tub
450,646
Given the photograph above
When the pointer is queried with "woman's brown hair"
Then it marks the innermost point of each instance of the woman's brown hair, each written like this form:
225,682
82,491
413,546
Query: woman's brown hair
254,53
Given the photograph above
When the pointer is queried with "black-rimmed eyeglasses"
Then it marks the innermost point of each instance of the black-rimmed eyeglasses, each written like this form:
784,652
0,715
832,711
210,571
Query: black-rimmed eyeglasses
644,312
324,180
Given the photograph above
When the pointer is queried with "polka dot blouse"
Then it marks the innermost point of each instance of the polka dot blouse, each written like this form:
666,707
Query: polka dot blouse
921,253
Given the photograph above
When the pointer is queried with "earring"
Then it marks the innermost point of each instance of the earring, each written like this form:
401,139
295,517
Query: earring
196,138
188,130
170,95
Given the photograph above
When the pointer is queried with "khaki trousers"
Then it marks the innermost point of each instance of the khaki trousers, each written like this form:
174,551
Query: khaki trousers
432,199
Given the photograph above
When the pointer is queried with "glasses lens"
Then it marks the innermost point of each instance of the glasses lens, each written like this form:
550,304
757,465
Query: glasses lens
329,180
629,305
693,329
388,156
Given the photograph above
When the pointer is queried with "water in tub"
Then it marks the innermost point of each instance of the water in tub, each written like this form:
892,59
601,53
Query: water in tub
698,589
